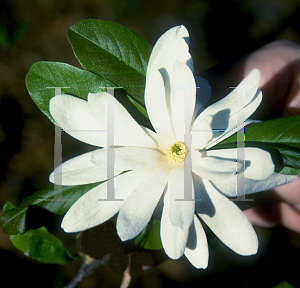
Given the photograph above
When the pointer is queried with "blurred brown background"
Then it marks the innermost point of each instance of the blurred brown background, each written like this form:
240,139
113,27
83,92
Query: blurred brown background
220,31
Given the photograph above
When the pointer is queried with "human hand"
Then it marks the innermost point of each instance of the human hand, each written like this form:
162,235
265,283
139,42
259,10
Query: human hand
279,63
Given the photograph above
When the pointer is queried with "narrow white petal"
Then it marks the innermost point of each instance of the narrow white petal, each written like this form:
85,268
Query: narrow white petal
212,168
173,238
202,137
158,139
127,132
226,220
158,108
170,48
246,91
139,206
130,158
182,204
231,112
183,97
258,163
73,115
159,47
175,50
196,250
96,207
219,136
223,124
231,118
79,170
228,186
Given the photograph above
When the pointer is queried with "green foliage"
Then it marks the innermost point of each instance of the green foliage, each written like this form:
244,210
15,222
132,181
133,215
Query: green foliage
149,238
13,220
40,244
43,246
284,284
114,56
44,76
280,135
112,51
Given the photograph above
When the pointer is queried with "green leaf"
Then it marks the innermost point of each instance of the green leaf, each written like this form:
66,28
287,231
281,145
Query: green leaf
149,238
290,171
13,221
153,241
281,135
8,206
43,246
44,76
112,51
134,109
284,284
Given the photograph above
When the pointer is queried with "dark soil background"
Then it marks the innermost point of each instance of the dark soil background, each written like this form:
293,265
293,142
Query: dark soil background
220,31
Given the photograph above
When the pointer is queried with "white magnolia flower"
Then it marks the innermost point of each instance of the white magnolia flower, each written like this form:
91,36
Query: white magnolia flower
172,162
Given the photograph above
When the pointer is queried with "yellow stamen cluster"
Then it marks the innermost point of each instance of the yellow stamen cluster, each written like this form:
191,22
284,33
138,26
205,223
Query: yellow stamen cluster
177,152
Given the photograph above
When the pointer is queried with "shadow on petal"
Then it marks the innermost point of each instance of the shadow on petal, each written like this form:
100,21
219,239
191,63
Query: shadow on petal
167,81
203,202
192,239
220,120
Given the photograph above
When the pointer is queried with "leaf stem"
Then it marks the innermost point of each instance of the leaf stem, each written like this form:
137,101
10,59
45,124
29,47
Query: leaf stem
86,270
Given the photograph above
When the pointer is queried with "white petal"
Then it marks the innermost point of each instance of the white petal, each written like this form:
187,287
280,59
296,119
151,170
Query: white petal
228,186
196,250
79,170
139,206
183,97
96,206
127,132
231,111
202,137
173,238
230,119
261,165
258,163
212,168
170,48
130,158
226,220
158,108
159,49
219,136
245,92
181,192
73,115
176,50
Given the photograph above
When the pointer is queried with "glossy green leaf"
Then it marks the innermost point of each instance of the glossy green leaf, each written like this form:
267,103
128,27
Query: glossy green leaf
112,51
13,221
281,135
8,206
44,76
149,238
43,246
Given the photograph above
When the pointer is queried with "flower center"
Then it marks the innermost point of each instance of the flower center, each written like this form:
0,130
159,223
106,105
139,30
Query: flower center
177,152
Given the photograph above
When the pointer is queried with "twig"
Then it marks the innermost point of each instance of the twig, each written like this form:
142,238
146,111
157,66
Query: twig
86,270
127,277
